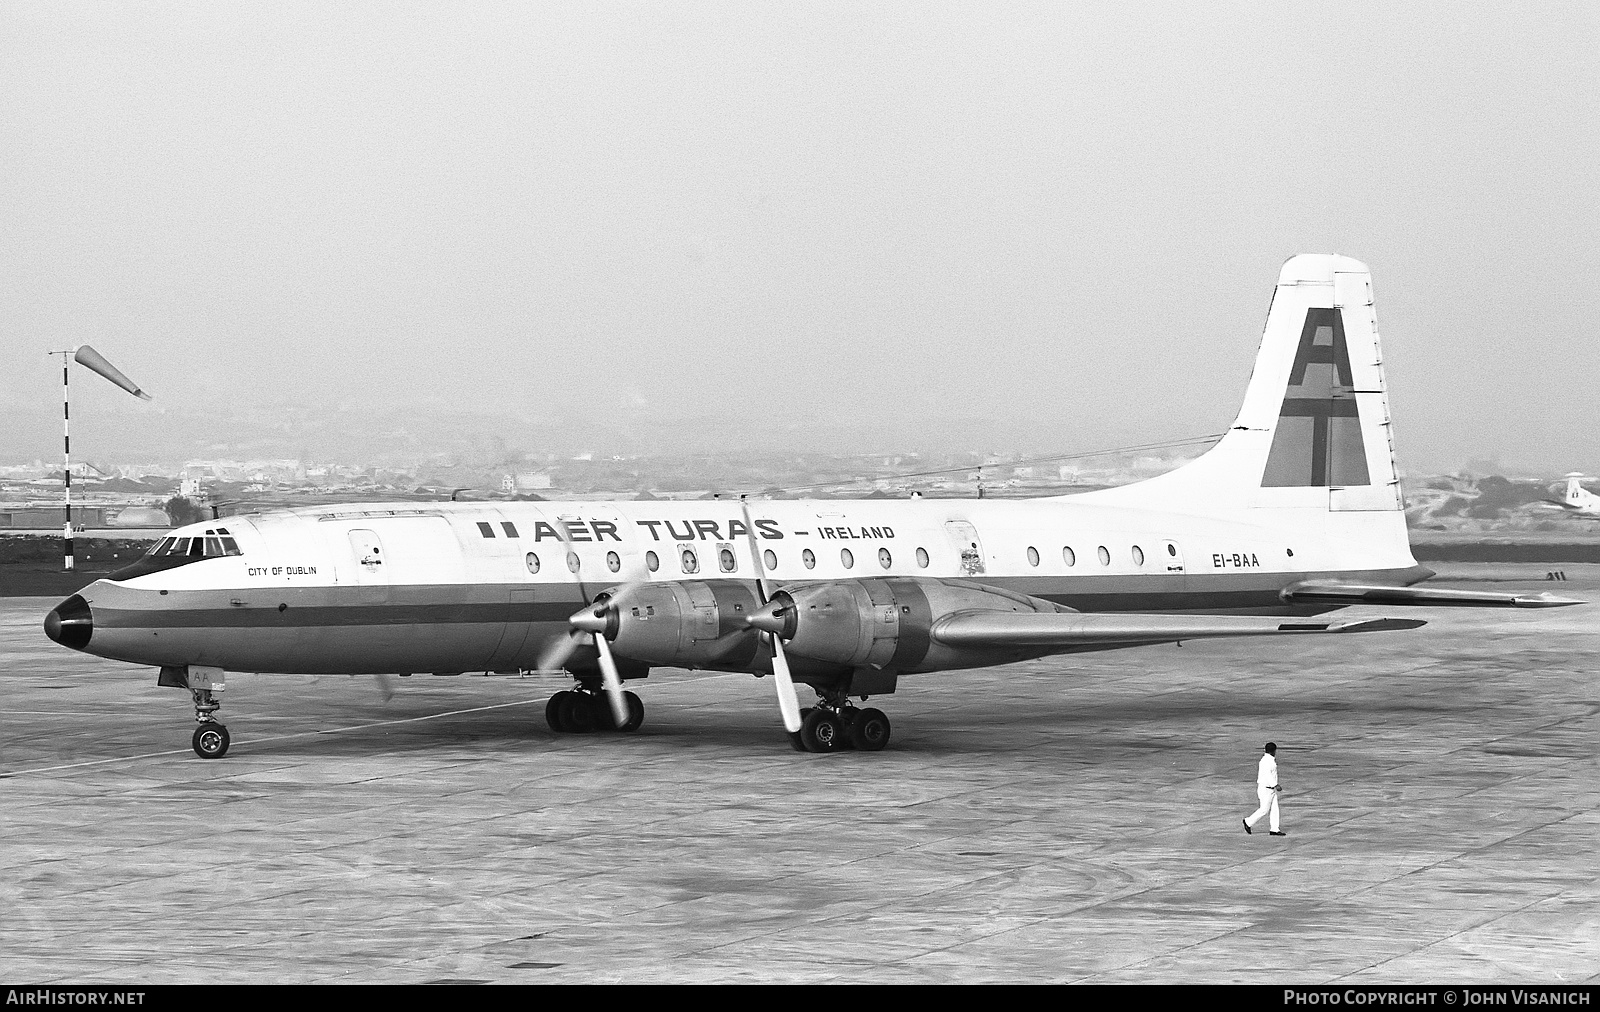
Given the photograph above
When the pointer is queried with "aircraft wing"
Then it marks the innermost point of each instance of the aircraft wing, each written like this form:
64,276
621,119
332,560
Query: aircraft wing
1334,592
1033,629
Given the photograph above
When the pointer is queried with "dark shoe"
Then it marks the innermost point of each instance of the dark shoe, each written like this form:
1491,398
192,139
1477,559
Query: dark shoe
1246,825
1276,833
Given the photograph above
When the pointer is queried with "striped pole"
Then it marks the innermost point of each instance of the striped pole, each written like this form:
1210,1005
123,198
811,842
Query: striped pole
66,454
94,362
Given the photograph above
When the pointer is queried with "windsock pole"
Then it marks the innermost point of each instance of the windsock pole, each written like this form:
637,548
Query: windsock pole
66,453
94,362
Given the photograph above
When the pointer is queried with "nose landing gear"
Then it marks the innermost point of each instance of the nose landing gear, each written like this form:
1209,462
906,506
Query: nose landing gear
210,740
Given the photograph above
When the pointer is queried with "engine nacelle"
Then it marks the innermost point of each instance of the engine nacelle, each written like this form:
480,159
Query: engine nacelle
886,624
689,624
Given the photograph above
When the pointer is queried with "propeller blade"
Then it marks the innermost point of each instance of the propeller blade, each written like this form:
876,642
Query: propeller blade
385,687
755,552
96,362
788,704
555,655
612,681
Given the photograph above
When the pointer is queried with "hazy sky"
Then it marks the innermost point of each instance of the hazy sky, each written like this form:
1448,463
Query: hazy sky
1057,219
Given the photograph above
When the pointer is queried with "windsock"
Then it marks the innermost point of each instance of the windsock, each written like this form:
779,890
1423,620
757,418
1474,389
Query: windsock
94,361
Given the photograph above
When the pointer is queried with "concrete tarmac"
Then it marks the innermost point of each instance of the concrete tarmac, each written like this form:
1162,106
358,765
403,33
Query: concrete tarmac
1072,819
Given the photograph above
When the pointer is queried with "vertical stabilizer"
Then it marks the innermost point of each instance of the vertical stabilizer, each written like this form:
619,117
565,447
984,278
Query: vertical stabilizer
1314,430
1575,490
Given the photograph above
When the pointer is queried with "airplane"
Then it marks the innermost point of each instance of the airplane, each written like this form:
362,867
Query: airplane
1295,513
1579,501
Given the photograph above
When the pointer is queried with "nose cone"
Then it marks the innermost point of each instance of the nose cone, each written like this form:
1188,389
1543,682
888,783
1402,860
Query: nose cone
70,623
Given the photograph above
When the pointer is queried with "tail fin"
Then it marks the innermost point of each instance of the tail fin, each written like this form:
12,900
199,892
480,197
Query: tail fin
1314,431
1575,490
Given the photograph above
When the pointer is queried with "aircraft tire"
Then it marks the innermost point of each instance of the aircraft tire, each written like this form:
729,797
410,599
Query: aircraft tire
577,713
869,732
600,707
210,740
552,712
823,731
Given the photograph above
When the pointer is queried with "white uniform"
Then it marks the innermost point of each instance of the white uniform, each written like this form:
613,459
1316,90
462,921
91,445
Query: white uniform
1267,791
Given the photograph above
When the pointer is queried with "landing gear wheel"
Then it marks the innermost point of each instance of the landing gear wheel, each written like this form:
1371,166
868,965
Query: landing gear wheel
210,740
577,713
823,731
869,732
552,711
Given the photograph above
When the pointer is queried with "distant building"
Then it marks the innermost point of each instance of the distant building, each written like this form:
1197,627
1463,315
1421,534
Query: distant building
528,481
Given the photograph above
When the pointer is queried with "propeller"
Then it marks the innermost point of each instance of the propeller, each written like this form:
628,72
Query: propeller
590,622
788,705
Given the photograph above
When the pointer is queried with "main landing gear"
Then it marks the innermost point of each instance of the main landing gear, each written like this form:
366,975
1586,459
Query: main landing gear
586,709
833,724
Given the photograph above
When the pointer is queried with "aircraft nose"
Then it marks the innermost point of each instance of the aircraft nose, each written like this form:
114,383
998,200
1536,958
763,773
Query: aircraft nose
70,623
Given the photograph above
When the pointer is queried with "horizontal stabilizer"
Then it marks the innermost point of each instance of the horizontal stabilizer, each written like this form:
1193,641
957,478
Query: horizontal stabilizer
1025,629
1369,593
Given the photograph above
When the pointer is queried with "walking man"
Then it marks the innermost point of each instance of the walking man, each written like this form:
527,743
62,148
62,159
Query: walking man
1267,788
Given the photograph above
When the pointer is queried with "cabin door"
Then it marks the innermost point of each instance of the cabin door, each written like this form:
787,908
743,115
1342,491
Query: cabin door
964,538
371,569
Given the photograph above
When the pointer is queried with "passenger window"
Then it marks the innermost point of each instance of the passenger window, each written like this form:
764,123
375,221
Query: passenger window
652,561
1105,556
1138,556
884,558
725,560
1033,556
770,558
573,562
1069,556
485,529
533,562
691,564
612,562
922,558
846,557
809,558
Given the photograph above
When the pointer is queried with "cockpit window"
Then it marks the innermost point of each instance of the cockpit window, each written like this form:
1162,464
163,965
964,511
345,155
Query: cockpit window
214,544
171,552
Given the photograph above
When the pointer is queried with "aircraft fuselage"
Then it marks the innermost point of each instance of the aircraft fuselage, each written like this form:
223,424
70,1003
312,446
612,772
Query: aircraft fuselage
450,587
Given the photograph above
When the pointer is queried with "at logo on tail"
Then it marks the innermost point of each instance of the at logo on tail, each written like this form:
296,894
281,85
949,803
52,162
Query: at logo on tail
1318,438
